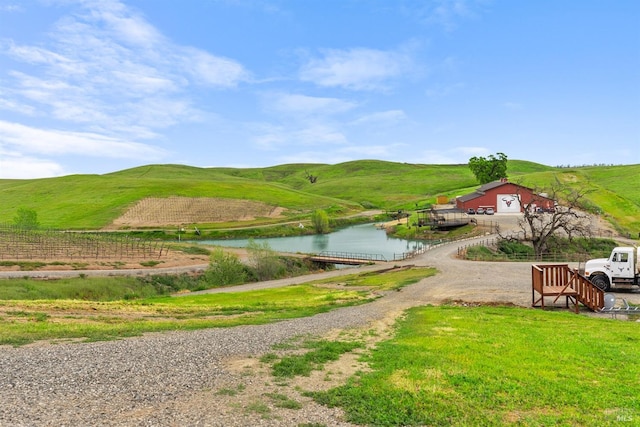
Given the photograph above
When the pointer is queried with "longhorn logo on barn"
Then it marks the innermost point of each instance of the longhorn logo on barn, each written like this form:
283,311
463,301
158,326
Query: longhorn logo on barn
508,203
508,200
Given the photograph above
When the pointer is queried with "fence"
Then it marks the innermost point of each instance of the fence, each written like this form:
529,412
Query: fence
407,255
579,257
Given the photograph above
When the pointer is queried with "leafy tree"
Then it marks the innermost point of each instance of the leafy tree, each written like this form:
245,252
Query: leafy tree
489,169
320,221
26,219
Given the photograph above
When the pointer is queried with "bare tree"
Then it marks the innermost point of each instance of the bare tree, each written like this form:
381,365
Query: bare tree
554,212
312,178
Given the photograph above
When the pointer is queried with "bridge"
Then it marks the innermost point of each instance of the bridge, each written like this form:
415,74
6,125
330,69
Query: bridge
347,258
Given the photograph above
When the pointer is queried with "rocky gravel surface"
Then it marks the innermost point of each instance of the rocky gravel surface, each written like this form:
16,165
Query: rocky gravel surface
214,377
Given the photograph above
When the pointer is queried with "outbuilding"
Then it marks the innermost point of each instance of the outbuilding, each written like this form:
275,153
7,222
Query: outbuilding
503,197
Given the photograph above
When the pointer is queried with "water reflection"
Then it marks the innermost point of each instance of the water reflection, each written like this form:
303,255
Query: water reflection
321,242
361,239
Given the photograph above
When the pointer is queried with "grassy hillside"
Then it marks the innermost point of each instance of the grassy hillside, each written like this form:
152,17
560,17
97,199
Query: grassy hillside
613,190
93,201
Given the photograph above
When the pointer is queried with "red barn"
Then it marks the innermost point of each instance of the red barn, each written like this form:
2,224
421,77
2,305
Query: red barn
504,197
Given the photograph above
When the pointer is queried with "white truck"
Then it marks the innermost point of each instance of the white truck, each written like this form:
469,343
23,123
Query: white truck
621,268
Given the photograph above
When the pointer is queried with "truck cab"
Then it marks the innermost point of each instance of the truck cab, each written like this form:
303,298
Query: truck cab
620,268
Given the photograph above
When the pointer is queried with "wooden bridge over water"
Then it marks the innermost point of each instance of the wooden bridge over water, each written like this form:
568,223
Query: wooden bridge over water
350,258
347,258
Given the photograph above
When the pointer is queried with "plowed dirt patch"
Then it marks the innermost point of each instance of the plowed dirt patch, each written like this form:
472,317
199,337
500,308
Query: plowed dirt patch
154,211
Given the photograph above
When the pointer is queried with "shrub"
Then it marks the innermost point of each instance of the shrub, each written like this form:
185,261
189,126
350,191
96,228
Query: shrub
225,269
515,248
264,261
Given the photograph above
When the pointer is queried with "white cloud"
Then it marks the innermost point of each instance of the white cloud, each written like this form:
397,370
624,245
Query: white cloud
105,67
34,54
211,70
26,139
128,26
356,69
17,166
18,107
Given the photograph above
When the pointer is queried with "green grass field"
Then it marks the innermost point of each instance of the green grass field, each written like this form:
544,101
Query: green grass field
106,308
94,201
496,366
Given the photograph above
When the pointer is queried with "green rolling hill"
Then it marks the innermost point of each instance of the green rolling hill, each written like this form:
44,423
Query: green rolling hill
94,201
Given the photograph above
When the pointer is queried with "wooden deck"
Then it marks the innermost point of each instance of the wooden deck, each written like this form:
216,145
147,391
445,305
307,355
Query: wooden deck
558,280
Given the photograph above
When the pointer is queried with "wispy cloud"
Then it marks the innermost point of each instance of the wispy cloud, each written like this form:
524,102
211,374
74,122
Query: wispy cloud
106,67
448,13
357,69
25,139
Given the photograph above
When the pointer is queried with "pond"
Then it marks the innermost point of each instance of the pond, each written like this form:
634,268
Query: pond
357,239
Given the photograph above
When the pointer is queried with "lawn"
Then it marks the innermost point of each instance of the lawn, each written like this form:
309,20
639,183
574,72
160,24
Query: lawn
494,366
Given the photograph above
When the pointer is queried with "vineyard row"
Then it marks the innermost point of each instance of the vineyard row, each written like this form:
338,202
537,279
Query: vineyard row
21,244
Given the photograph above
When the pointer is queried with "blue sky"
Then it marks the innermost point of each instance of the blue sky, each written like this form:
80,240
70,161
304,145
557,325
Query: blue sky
99,86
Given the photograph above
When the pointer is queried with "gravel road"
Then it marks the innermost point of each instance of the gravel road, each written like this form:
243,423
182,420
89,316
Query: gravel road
174,379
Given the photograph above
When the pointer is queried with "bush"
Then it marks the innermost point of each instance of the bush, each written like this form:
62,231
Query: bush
264,261
225,269
515,249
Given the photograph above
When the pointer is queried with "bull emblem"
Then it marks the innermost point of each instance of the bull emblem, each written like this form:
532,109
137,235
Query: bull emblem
508,200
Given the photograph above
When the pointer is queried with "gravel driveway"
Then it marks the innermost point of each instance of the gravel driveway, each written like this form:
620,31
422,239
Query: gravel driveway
174,379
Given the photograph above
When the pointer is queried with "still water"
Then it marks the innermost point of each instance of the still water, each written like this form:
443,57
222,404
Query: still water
359,239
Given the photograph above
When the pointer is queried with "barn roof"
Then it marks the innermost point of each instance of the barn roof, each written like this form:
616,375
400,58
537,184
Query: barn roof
482,190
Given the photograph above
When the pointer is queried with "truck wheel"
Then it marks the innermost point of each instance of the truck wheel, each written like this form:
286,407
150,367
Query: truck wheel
600,281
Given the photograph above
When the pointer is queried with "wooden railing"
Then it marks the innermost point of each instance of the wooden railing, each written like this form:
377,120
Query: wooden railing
349,258
558,280
588,294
